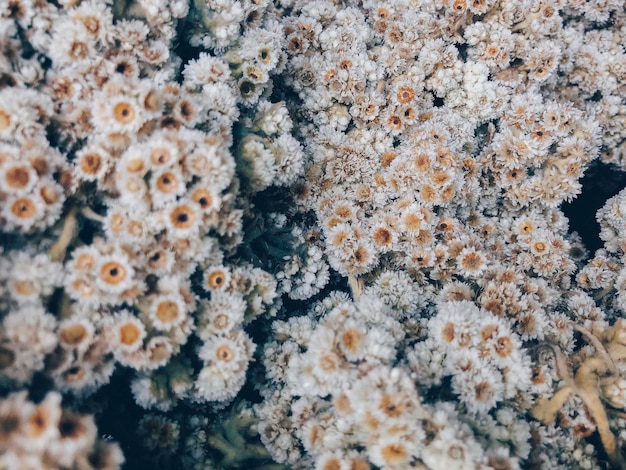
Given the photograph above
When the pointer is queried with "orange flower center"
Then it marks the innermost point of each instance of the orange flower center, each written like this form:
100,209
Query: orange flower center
405,94
17,177
167,311
352,339
448,332
224,353
123,113
382,236
395,453
38,421
91,163
129,334
167,183
202,197
49,194
390,408
73,334
135,165
24,208
412,222
183,217
216,279
160,156
113,273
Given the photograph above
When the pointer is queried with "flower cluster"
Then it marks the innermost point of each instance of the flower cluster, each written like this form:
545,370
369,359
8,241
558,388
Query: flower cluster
138,170
332,227
440,142
32,172
480,352
47,435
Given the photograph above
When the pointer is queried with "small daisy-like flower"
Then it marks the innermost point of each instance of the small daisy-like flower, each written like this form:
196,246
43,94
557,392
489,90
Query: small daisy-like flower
124,65
166,186
539,246
155,52
331,461
360,260
255,74
72,43
440,177
160,260
208,199
162,152
352,340
480,389
115,222
132,188
405,94
216,278
421,258
7,120
75,333
119,113
96,18
23,212
84,258
128,332
135,161
357,462
81,289
76,435
387,158
249,91
456,291
224,312
394,124
167,311
411,219
327,365
503,346
230,353
91,163
17,177
459,6
114,274
453,325
23,290
383,237
159,350
524,227
479,7
183,218
423,161
392,452
42,424
471,262
206,69
187,111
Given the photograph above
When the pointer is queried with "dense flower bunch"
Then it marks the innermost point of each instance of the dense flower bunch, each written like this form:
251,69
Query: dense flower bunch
441,140
121,195
348,213
46,435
